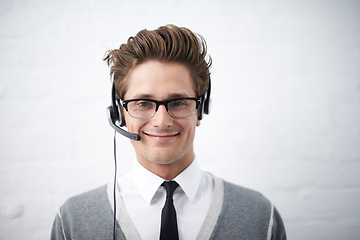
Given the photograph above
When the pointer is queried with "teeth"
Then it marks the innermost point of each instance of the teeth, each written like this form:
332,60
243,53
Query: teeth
152,135
156,135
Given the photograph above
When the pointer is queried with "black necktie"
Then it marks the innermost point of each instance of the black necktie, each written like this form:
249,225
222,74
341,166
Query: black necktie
169,229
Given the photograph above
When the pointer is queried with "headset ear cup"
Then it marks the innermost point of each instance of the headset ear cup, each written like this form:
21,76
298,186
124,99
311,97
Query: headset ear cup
207,99
121,117
201,110
205,104
116,109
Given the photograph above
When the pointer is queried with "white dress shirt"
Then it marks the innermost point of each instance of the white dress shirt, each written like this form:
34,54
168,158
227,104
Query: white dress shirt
144,198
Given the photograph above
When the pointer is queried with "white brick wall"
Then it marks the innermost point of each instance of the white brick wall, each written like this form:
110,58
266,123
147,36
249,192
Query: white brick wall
285,116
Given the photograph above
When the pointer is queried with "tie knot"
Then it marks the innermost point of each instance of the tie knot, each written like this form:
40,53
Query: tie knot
170,187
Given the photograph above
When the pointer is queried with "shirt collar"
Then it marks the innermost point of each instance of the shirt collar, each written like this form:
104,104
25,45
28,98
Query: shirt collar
189,179
148,183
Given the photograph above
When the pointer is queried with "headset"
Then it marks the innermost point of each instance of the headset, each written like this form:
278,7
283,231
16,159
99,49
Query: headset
117,120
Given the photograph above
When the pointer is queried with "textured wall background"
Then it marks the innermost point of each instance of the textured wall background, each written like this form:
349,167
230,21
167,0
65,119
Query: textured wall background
285,116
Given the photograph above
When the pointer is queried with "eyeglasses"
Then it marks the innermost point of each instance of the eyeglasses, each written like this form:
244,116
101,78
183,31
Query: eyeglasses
146,108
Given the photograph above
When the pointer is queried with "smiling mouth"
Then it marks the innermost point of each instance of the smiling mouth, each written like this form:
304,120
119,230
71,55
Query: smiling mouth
162,138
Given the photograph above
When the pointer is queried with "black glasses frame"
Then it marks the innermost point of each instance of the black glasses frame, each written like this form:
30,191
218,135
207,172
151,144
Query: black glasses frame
124,103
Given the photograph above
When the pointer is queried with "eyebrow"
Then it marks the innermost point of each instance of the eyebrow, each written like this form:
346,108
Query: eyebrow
171,96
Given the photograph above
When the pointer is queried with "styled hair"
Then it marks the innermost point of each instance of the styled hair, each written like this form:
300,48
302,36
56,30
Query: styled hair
167,43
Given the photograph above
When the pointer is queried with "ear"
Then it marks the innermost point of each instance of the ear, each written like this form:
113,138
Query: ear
197,122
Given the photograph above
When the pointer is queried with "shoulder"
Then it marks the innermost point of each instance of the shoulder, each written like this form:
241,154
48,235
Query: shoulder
244,196
92,198
86,216
245,202
91,204
238,201
248,214
89,196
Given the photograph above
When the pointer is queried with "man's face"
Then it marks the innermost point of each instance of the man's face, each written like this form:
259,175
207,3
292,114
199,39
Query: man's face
164,139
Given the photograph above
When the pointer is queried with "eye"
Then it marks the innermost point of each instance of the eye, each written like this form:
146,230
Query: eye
143,104
180,103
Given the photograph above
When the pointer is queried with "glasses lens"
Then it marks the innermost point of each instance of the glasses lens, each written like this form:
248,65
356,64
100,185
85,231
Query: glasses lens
141,109
182,107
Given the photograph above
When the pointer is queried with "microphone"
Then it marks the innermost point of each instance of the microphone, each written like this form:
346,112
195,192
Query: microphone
112,121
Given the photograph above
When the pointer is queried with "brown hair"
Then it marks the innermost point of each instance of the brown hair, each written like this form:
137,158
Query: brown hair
167,43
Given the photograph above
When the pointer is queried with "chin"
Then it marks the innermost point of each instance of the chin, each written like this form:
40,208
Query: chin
164,158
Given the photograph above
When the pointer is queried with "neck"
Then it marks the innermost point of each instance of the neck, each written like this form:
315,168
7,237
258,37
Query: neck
167,171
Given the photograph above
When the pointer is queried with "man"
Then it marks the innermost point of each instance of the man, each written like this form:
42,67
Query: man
161,83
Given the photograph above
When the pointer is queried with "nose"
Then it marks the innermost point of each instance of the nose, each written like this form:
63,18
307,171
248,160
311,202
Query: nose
161,118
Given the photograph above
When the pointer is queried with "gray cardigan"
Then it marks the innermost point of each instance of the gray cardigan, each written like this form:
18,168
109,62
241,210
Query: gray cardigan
235,213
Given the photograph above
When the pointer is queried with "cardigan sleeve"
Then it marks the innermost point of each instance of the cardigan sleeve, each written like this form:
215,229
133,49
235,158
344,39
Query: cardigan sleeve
278,228
57,231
